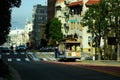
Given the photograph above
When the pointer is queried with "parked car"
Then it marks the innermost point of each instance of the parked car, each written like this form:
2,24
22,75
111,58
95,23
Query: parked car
20,48
4,49
46,49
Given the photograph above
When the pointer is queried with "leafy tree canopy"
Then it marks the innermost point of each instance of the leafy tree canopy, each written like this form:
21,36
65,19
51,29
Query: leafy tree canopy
5,17
55,29
102,16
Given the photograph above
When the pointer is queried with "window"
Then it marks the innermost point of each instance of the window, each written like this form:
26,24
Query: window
89,38
41,11
72,25
79,26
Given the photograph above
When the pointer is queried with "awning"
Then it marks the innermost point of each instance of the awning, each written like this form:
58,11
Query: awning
76,3
72,20
91,2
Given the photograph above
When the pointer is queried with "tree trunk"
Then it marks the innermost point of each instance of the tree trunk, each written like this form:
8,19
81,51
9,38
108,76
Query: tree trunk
98,45
105,48
118,52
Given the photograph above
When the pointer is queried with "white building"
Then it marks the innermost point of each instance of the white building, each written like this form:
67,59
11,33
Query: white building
17,37
27,30
20,36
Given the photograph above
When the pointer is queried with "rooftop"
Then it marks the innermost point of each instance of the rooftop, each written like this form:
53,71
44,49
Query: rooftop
60,0
76,3
90,2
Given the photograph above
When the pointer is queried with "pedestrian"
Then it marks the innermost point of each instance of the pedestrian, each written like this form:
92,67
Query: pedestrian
56,52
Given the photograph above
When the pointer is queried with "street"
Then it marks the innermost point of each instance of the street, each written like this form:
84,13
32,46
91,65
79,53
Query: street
60,40
50,71
25,68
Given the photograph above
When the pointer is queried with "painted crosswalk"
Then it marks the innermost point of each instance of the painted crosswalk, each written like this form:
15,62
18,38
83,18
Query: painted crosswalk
46,56
17,59
15,56
29,56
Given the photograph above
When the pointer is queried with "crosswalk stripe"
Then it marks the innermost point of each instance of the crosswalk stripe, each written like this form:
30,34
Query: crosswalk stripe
22,53
9,59
27,59
15,53
18,59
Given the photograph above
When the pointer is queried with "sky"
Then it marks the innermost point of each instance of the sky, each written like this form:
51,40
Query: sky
19,15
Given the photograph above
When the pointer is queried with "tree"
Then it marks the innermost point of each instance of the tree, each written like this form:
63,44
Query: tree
111,31
5,17
95,19
102,18
55,29
114,19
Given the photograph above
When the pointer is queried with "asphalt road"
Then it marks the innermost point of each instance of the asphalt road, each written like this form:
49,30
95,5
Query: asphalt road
28,69
50,71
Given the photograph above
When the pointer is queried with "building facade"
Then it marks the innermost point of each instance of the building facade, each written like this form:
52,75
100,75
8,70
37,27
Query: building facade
39,18
51,9
27,30
71,12
20,36
17,37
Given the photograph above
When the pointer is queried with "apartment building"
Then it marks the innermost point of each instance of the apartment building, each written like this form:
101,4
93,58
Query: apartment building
51,9
39,18
71,12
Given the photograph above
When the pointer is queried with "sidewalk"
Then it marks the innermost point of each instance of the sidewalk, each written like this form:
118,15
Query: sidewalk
101,62
109,67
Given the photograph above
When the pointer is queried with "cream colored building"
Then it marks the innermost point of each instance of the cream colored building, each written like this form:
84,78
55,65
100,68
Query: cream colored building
71,12
27,30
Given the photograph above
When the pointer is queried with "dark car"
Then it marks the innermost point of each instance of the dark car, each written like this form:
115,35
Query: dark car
21,48
4,49
47,49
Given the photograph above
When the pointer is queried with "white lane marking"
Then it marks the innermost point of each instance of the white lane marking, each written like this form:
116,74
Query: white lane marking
22,53
18,59
7,53
15,53
9,59
44,59
27,59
